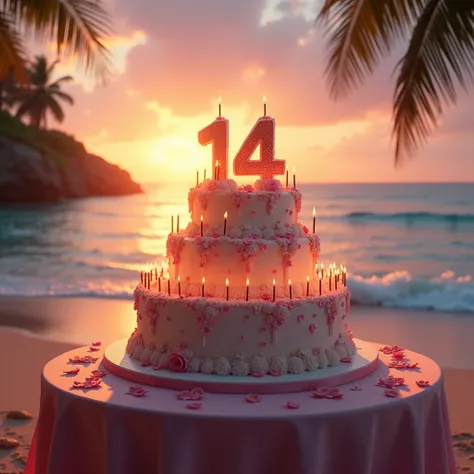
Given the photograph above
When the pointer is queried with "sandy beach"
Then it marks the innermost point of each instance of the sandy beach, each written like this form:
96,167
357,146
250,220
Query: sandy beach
35,330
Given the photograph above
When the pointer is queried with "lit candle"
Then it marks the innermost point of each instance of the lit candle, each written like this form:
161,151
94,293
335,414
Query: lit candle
202,226
218,170
320,284
156,271
197,177
335,281
227,289
177,224
220,106
202,286
169,285
179,285
290,288
225,221
264,106
286,175
322,270
330,278
314,220
159,280
141,276
204,174
247,290
172,224
307,286
294,177
145,275
274,289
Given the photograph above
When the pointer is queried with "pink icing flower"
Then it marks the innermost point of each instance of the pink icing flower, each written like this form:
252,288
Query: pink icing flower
212,186
253,398
300,318
89,384
423,383
305,229
94,349
194,405
197,393
97,343
312,328
356,388
71,371
327,392
346,360
292,405
399,364
177,362
391,393
185,395
136,391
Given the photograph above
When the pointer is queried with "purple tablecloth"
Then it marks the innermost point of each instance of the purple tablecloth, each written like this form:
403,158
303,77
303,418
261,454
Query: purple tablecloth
108,431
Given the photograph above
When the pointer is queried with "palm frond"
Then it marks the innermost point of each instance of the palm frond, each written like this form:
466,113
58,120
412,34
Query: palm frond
441,52
55,109
78,27
59,81
12,53
360,32
66,97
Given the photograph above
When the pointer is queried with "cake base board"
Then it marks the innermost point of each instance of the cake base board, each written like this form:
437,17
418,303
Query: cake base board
119,363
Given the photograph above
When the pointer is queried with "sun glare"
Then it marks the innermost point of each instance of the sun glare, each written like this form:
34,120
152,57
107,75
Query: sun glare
177,154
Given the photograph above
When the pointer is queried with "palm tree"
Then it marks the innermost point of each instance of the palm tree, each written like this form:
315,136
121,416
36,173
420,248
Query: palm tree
78,27
41,96
439,56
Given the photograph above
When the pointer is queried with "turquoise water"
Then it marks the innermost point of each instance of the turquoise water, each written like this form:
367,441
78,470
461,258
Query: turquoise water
405,245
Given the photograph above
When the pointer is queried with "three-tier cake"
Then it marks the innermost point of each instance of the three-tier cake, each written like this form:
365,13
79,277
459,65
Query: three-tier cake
241,295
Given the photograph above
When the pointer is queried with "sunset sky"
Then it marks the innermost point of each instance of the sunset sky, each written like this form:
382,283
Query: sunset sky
172,60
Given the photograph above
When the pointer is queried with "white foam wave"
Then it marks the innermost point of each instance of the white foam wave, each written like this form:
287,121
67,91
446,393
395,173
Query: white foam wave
448,292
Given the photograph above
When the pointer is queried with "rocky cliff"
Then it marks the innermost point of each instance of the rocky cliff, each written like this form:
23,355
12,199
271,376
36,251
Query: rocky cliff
36,174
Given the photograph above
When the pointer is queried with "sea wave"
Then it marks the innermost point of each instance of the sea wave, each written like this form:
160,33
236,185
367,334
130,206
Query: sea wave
422,217
448,292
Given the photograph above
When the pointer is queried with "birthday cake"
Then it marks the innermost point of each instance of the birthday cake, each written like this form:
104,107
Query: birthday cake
241,293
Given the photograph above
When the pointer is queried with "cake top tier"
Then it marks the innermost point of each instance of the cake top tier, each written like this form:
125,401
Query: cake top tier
243,209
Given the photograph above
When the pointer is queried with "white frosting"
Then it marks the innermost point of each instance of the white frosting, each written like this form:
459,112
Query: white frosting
222,366
310,362
258,365
240,366
194,364
295,365
207,366
278,365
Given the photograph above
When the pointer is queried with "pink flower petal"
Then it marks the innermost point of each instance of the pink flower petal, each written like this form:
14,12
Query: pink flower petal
197,393
97,343
83,359
292,405
423,383
391,393
136,391
72,370
94,348
356,388
346,360
184,395
98,373
253,398
194,405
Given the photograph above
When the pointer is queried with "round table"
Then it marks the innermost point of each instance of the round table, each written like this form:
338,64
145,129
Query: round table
107,430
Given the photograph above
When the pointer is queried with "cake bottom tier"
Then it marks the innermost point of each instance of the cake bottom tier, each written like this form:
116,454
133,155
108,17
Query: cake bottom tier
240,338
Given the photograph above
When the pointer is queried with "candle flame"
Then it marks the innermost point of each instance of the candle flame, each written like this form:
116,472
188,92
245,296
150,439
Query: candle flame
202,218
220,100
179,278
307,278
314,212
203,280
289,282
218,163
320,275
226,282
294,169
247,282
225,215
274,282
264,99
286,167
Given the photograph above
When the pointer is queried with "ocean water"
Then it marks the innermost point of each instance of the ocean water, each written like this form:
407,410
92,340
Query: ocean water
405,245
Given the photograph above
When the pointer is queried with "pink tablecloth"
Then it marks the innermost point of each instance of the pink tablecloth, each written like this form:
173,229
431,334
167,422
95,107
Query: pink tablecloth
106,431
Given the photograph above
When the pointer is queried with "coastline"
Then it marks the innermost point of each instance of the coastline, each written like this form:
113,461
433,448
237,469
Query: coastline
35,330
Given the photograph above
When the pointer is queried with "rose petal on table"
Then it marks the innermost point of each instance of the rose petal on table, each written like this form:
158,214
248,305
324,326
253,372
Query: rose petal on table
356,388
83,359
197,393
194,405
71,370
398,355
94,349
136,391
423,383
391,393
346,360
97,343
253,398
320,392
292,405
98,373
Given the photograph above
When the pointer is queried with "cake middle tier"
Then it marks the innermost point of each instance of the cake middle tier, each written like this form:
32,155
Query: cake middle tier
259,260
